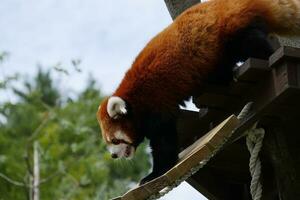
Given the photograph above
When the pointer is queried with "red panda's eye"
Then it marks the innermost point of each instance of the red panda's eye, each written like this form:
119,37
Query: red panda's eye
115,141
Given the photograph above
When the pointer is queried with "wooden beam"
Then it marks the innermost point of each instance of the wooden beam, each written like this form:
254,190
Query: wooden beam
176,7
253,70
278,91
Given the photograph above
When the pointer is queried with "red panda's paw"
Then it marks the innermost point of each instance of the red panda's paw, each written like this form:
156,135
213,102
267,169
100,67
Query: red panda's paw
148,178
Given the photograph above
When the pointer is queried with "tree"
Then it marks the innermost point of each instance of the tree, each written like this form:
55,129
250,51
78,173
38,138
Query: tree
72,159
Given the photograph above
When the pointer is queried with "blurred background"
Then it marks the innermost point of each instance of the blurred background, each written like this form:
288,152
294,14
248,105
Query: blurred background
58,60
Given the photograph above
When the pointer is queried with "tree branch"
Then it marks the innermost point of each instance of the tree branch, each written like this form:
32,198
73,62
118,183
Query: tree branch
50,177
16,183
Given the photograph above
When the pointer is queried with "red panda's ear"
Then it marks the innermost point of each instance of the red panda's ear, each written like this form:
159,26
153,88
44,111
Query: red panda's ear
116,107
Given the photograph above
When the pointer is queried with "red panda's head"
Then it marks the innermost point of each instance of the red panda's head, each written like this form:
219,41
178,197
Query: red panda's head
117,127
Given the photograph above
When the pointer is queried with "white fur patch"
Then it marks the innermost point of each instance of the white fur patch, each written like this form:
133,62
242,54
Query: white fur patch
122,136
121,150
116,107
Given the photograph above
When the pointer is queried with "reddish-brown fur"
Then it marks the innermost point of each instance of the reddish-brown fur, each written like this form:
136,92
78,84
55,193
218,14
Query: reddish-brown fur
173,64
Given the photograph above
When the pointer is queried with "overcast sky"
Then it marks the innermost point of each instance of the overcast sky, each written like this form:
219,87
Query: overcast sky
105,34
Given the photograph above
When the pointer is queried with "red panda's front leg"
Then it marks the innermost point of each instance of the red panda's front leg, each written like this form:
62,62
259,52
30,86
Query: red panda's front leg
163,143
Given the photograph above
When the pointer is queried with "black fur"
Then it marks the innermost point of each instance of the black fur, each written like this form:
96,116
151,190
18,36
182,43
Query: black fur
163,141
251,41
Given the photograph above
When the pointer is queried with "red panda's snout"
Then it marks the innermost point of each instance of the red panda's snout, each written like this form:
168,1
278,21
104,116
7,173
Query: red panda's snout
115,128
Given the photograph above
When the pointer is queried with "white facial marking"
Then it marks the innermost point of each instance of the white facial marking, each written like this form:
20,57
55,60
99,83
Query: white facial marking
116,107
121,150
122,136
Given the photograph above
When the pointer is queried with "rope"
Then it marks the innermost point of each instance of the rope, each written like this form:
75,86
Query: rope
254,143
245,111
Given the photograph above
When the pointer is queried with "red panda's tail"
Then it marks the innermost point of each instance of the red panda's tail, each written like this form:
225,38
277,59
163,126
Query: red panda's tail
285,16
281,16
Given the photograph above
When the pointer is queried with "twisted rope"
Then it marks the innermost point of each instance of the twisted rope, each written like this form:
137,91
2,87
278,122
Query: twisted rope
245,111
254,143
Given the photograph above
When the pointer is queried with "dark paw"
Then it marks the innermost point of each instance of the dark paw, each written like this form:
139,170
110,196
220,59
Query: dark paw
147,178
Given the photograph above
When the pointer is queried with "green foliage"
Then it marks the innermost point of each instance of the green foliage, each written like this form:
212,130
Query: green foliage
74,163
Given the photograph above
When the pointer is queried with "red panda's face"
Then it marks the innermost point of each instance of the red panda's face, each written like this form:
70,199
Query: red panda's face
117,130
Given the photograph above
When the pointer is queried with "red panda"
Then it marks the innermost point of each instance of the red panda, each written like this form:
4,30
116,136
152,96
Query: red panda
202,44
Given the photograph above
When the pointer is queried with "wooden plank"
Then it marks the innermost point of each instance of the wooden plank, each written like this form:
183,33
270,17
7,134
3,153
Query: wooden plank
284,53
191,126
213,138
278,41
203,149
253,70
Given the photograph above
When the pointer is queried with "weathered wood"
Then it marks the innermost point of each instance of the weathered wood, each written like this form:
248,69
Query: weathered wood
278,91
278,41
284,53
190,127
277,149
176,7
252,70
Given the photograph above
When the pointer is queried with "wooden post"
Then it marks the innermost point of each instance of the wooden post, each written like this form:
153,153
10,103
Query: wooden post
176,7
277,149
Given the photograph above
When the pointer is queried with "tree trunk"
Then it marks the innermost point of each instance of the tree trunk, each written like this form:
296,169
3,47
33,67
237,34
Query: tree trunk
36,173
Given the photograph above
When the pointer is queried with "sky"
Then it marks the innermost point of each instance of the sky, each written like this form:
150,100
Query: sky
106,35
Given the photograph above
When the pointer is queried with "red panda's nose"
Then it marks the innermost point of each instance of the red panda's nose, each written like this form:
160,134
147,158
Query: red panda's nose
114,155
